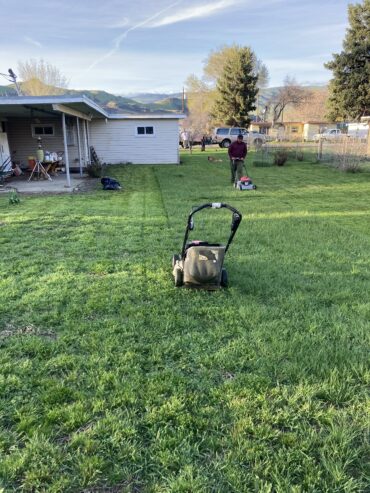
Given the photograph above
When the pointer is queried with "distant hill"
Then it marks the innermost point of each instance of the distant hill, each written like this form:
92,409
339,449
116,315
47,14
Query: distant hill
162,103
150,102
149,97
7,91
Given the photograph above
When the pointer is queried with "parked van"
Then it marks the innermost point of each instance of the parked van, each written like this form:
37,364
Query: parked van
223,136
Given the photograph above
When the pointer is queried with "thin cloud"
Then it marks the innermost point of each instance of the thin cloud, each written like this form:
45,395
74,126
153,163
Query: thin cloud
195,12
325,29
32,41
122,23
121,37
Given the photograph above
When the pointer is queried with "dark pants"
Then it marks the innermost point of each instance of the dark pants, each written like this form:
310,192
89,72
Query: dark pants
236,167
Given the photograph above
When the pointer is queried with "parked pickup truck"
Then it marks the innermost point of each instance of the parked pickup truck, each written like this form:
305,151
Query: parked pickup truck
333,134
223,136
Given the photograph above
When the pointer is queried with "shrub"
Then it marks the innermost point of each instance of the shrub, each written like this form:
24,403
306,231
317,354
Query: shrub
14,198
280,158
350,166
94,170
299,156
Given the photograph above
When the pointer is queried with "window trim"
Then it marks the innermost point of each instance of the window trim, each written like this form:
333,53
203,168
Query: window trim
43,136
145,134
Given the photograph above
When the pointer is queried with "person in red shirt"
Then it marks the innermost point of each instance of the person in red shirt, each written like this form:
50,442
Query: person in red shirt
237,153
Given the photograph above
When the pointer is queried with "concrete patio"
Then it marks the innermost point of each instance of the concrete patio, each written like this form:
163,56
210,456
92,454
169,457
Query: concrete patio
56,185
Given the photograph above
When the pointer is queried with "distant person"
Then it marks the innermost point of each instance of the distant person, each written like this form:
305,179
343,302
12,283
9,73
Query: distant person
185,139
237,153
203,143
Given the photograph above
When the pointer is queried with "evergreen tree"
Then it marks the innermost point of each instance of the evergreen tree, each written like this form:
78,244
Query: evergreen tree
236,90
350,87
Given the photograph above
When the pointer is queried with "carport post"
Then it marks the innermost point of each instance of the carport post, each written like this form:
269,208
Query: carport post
85,144
88,140
79,144
66,157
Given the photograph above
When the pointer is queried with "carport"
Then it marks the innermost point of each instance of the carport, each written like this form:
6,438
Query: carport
62,122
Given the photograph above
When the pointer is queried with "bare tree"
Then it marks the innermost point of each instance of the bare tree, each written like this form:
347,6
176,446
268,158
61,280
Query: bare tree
291,94
41,78
314,107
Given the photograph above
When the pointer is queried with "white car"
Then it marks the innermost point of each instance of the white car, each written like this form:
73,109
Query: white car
224,136
332,135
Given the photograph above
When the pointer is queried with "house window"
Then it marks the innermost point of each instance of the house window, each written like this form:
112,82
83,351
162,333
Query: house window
294,130
142,131
43,130
70,134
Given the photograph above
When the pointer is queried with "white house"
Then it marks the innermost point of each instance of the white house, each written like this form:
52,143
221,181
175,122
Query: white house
73,124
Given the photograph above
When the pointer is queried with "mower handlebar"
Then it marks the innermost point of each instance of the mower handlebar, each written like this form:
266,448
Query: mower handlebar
236,220
213,205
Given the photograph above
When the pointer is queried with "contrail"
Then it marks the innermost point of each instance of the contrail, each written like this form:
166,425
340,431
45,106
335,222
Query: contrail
121,37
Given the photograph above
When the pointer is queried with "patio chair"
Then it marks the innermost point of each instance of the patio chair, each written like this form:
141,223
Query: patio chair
5,169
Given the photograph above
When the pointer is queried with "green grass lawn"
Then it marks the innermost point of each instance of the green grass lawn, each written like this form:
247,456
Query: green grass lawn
112,379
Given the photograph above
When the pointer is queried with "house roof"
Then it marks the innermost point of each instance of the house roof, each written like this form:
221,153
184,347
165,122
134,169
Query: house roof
315,122
319,122
262,124
145,116
23,106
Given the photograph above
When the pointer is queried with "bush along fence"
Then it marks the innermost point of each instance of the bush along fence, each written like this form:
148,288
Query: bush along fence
346,154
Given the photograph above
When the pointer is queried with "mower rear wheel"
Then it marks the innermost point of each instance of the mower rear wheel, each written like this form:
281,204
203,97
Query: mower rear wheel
179,277
175,258
224,279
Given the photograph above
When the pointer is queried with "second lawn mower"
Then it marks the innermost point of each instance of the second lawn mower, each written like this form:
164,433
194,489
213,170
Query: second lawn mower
200,264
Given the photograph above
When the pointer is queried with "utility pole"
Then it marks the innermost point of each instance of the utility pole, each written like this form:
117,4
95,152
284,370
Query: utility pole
183,100
11,77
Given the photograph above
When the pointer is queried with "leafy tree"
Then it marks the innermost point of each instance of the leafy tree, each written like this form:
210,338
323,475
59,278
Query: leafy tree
236,89
215,63
40,78
350,87
202,92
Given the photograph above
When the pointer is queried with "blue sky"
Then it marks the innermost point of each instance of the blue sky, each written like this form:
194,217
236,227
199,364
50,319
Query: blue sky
124,46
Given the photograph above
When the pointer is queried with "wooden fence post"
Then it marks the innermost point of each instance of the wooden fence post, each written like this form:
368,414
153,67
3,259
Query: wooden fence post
319,150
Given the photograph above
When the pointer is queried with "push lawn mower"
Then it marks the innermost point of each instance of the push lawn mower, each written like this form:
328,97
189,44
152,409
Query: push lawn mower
200,264
245,183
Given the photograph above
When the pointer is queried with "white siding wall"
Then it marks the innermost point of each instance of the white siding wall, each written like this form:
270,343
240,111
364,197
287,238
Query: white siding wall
21,140
115,141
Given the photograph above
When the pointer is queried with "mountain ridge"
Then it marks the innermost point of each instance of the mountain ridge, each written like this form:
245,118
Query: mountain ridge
139,103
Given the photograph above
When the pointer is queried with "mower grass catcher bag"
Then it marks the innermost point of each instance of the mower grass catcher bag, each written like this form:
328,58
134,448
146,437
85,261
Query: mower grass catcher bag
204,265
200,263
110,183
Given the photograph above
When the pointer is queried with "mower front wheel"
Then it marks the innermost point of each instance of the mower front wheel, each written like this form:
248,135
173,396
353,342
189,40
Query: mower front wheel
179,277
224,279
